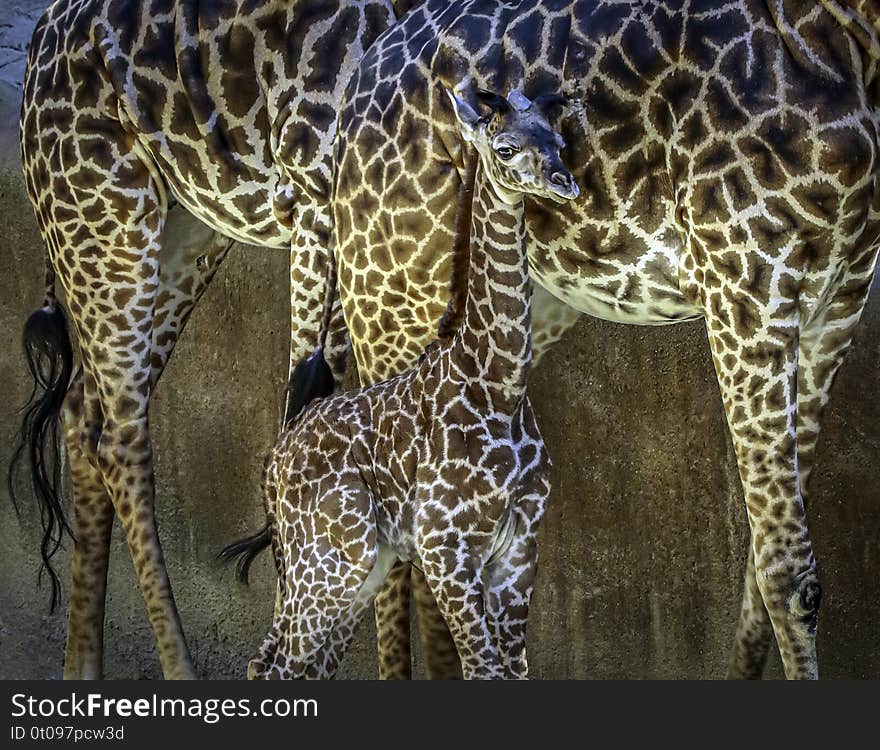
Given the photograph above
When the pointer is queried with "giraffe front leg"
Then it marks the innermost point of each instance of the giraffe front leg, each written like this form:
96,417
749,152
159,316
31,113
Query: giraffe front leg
551,319
757,373
822,346
509,590
455,576
511,580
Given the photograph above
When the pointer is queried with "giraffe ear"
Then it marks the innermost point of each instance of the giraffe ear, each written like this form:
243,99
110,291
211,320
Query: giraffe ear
550,104
466,115
493,101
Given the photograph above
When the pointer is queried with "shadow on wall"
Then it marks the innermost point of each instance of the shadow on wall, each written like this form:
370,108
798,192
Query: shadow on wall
642,548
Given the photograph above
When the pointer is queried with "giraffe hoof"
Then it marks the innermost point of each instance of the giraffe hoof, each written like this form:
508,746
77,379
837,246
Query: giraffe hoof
255,670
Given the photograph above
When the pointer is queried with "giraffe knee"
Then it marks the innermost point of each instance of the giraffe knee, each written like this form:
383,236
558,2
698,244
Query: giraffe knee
82,443
256,670
794,593
806,600
124,459
800,595
122,446
81,435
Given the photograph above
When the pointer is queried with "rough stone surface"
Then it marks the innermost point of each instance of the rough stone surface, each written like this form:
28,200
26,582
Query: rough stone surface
642,547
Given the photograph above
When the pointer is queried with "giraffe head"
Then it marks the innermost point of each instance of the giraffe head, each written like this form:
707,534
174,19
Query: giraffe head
518,147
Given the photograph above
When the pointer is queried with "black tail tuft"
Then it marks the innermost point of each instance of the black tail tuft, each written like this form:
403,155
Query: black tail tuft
244,552
49,357
312,378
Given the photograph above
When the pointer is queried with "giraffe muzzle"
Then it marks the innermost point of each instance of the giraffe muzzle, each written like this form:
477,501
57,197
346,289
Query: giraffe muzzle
563,186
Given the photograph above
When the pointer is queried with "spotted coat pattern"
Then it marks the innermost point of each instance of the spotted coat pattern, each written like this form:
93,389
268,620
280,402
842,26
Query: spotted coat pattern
442,465
727,153
154,134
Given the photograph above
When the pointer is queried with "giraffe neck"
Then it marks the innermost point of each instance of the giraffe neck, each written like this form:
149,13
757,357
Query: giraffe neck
493,345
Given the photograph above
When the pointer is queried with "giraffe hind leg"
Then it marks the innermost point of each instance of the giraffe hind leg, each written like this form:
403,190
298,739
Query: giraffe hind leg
438,647
190,255
313,373
457,586
326,663
93,524
551,320
111,276
314,623
392,604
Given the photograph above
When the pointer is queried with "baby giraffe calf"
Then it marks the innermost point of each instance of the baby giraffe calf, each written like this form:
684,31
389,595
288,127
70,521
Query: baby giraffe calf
444,465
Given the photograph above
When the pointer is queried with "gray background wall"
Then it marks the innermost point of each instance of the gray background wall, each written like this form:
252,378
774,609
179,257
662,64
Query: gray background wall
642,547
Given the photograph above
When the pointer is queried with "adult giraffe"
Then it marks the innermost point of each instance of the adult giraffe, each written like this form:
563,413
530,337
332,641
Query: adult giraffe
728,158
154,134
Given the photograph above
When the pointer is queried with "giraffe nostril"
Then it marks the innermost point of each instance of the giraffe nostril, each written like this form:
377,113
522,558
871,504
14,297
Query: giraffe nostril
558,178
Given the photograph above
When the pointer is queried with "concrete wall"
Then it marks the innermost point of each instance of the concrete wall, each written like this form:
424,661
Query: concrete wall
642,547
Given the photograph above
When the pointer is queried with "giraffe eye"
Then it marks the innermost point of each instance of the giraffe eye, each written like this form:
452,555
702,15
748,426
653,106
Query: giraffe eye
505,152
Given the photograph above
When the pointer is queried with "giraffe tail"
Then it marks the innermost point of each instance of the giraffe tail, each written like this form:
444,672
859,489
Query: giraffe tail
244,552
49,356
312,378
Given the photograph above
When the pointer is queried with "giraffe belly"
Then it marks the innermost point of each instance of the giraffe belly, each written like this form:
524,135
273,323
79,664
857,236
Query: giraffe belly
595,302
643,291
270,232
